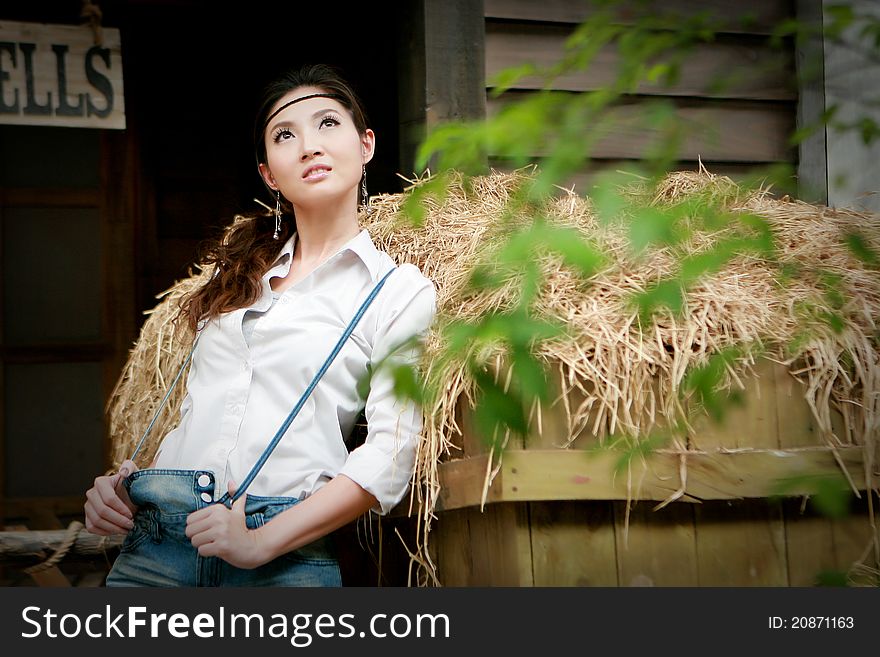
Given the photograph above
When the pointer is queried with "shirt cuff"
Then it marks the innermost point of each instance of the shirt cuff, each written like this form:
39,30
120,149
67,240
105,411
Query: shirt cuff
385,476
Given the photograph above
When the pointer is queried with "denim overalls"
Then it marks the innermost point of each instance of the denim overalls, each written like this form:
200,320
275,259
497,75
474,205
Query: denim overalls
156,552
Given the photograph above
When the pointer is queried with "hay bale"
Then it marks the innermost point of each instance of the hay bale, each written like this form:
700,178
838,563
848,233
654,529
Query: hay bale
628,376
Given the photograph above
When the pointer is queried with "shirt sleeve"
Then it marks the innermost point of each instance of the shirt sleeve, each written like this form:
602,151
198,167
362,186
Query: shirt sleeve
384,464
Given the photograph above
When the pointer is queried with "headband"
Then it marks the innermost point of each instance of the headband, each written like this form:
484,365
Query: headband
338,97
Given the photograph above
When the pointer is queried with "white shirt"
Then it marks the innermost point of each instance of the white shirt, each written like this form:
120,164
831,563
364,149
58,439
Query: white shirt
239,393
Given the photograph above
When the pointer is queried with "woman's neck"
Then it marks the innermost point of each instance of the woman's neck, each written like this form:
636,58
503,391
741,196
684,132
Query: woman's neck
321,234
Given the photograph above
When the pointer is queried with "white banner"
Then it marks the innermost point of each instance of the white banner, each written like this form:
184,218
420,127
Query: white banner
56,75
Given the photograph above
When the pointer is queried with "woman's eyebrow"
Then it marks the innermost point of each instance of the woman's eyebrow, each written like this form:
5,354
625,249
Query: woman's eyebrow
288,122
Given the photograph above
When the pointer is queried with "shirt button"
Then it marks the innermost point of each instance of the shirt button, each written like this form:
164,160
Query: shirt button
204,480
206,497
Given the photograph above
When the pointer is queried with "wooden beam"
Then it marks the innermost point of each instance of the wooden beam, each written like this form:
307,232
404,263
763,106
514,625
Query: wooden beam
810,66
540,475
748,16
729,68
729,131
441,70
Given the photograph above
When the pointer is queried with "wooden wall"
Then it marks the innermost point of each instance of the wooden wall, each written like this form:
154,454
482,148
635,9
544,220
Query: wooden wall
740,128
560,517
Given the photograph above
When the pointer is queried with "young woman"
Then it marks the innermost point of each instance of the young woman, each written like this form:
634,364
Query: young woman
284,292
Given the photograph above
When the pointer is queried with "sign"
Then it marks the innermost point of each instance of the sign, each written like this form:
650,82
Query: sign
55,75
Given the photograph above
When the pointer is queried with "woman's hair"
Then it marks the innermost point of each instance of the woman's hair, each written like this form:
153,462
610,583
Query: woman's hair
246,249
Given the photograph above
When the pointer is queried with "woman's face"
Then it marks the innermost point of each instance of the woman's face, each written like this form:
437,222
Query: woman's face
313,150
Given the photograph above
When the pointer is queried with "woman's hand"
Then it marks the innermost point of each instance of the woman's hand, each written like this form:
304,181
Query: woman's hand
108,508
217,531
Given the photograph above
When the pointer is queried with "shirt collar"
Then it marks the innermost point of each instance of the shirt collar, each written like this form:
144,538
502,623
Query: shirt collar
361,244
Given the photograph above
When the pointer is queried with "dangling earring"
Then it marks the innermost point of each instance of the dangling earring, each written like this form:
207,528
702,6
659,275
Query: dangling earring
277,232
364,196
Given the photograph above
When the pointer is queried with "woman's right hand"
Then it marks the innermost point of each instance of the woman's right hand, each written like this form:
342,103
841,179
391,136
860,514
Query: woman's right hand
108,508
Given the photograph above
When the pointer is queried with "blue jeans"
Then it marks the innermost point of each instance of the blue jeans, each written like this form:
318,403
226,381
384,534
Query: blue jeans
158,553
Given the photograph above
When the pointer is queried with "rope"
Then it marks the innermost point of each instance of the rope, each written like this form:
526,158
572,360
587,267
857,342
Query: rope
91,13
61,551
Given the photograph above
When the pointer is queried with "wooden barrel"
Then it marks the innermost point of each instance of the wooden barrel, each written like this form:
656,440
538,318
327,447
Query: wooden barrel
705,513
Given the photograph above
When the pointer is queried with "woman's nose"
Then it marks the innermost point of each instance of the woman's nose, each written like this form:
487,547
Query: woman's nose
310,146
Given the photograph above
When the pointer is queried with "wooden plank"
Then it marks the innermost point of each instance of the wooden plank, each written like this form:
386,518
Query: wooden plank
733,131
119,212
91,580
656,548
750,16
500,546
450,541
750,415
573,544
728,68
470,441
809,543
442,76
740,544
795,422
534,475
852,539
810,65
51,577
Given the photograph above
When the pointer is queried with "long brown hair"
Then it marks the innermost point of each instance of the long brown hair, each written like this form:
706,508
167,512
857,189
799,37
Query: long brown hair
246,250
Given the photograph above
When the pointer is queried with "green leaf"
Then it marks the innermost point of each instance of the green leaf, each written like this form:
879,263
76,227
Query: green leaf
458,334
835,578
496,410
859,247
506,78
705,383
829,493
635,449
406,383
834,321
607,199
363,383
522,329
575,251
484,278
517,250
652,226
696,266
530,375
665,294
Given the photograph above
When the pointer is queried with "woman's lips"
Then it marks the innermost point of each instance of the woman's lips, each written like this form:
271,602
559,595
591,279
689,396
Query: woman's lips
317,174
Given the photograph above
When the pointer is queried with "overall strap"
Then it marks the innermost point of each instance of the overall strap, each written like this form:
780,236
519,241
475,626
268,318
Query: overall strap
173,385
242,487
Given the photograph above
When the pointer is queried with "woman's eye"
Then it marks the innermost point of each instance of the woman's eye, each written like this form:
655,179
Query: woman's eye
329,121
282,134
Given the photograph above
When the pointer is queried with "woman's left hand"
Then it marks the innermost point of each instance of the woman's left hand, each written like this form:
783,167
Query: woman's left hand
217,531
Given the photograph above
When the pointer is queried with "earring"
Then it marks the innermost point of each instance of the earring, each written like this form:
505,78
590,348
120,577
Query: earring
277,233
365,198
